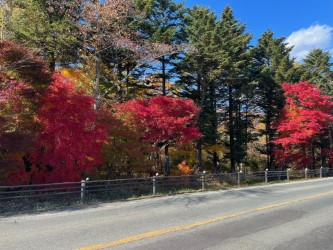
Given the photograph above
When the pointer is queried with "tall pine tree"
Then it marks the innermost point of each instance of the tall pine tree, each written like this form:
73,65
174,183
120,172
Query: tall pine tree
195,72
163,24
272,67
232,43
316,68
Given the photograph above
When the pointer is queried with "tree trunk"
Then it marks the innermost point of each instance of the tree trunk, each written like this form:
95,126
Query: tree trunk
163,77
269,146
231,132
331,145
52,64
246,130
216,162
97,80
167,161
199,142
323,144
199,155
323,163
313,161
127,79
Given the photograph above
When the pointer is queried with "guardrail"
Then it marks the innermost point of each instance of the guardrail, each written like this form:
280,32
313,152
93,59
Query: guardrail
126,188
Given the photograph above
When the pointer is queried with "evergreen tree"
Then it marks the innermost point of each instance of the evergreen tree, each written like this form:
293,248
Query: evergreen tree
195,71
232,44
272,67
317,70
163,24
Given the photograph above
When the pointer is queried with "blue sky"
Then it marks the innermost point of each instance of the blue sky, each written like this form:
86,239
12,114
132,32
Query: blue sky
306,24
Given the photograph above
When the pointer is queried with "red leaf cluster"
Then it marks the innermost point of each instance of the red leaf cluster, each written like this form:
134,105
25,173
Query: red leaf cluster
16,125
163,119
11,94
71,137
306,114
23,78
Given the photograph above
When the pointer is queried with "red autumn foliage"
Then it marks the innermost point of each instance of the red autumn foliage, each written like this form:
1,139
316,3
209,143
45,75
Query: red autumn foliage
305,116
17,126
16,129
163,119
71,137
23,78
11,94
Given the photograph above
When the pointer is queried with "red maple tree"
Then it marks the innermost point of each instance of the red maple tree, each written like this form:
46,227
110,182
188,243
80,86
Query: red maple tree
16,127
162,120
71,136
23,78
305,116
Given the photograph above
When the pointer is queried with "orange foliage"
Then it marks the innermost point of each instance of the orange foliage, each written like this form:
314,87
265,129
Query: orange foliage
183,168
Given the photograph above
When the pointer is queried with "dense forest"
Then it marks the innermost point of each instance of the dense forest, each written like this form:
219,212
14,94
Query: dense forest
111,89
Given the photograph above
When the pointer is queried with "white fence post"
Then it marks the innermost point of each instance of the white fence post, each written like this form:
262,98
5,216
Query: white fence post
83,190
306,173
321,172
288,174
154,184
266,175
239,177
203,180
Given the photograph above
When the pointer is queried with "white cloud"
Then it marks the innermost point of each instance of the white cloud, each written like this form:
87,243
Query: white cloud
315,37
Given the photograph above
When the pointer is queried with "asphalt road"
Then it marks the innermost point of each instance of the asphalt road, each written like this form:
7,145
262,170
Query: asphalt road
283,216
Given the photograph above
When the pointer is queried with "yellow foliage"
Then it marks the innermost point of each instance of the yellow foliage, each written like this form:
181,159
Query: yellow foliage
186,152
216,148
81,80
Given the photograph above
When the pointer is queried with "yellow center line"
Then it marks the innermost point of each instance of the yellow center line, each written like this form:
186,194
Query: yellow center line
196,224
